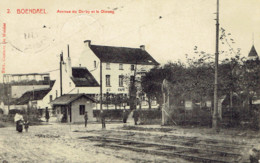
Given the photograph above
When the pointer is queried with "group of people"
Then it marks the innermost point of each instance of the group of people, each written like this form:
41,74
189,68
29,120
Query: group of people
24,123
20,122
103,116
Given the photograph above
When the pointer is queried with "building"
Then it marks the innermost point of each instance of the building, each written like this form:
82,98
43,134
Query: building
252,55
16,85
253,58
116,67
73,80
35,99
71,107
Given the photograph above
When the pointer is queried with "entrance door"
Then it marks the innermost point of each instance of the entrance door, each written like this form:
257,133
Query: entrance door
64,113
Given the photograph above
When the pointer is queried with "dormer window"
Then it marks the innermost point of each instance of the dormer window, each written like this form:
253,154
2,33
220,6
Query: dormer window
121,66
108,66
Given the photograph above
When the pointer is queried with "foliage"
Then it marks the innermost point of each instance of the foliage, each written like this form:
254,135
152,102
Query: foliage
195,80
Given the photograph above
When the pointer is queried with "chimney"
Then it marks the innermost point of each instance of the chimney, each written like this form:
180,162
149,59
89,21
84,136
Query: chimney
88,42
142,47
69,68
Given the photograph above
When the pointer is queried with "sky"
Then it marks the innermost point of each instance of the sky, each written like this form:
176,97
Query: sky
169,29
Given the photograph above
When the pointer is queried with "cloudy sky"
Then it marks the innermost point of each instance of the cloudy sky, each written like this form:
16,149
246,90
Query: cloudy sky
169,29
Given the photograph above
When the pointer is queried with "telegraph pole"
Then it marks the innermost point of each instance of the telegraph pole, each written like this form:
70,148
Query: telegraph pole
61,62
216,119
101,85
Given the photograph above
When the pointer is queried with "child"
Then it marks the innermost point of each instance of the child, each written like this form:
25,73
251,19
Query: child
26,125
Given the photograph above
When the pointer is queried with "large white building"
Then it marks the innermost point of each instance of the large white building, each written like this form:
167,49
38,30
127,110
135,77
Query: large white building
116,66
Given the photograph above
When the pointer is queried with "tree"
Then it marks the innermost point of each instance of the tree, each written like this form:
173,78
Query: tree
151,84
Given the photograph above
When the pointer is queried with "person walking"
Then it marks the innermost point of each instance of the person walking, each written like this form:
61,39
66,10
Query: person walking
86,118
103,121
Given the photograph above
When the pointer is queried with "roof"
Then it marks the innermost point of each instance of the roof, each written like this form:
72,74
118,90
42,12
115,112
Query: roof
68,98
83,78
37,94
252,52
113,54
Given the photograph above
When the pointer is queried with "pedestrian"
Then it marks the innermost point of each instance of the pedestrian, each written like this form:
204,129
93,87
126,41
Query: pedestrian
47,115
135,116
103,121
26,125
86,118
125,116
18,118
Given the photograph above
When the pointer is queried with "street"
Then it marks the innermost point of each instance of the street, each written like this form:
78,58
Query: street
74,143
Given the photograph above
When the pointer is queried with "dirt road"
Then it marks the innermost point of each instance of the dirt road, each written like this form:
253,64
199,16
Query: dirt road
60,143
74,143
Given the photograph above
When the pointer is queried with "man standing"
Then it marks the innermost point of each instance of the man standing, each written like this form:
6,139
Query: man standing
86,118
47,115
125,116
135,116
102,116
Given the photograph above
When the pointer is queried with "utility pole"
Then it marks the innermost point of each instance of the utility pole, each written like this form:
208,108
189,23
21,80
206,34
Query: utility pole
216,119
61,62
100,85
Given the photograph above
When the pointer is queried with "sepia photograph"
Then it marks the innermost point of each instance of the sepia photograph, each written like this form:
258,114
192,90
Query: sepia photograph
130,81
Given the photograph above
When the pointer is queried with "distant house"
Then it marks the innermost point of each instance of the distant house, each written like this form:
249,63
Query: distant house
117,67
35,99
16,85
71,107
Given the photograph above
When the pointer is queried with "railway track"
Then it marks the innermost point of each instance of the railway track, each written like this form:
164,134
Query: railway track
189,148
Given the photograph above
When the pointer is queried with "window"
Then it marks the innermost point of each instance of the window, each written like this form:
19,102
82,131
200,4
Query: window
50,98
108,80
95,64
69,84
108,66
132,67
81,109
56,93
121,82
120,66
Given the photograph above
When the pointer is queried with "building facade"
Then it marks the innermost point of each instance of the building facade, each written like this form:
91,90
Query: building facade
117,67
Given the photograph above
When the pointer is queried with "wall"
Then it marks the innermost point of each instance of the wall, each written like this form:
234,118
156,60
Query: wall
114,73
75,110
86,90
67,87
87,58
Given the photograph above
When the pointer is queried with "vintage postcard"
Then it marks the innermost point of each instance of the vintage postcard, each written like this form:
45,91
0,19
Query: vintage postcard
129,81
